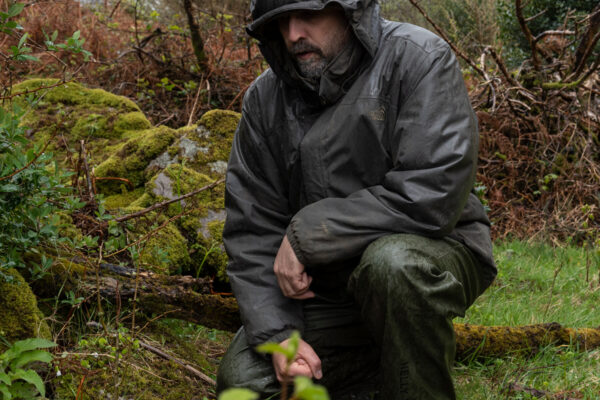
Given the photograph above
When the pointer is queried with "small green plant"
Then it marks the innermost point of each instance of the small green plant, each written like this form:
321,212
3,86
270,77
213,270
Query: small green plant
304,388
16,380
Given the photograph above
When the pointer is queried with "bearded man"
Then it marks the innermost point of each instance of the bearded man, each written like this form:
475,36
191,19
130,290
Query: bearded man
350,211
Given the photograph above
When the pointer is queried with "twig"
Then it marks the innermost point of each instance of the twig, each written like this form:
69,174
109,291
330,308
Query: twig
87,170
167,202
80,387
237,97
114,9
186,366
13,95
149,234
502,67
195,104
553,33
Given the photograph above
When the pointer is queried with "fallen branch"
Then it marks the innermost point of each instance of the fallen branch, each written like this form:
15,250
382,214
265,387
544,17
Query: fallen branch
498,341
186,366
167,202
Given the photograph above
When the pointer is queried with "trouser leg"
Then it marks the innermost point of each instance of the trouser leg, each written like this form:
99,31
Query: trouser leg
242,367
408,289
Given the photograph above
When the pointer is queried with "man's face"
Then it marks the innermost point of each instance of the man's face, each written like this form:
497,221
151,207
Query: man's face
314,38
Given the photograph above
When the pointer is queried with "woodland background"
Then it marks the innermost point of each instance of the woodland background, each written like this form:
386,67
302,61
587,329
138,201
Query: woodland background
115,127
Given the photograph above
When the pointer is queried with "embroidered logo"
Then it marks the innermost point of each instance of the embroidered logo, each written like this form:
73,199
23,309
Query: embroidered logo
378,114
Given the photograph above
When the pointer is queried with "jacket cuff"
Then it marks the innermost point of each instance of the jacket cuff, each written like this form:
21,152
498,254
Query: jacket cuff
293,239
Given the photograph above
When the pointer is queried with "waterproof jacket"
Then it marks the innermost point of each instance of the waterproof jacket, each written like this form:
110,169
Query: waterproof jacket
387,145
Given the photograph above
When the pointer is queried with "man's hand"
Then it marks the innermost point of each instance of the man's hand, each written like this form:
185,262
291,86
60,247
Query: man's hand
291,276
307,363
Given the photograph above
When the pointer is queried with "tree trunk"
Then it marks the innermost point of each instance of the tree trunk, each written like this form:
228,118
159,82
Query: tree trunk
197,42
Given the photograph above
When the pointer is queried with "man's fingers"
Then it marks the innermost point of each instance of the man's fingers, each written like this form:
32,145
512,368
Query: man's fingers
300,367
306,352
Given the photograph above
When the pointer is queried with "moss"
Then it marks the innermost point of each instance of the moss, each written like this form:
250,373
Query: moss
213,256
166,251
220,122
92,125
145,200
73,93
124,200
213,136
76,112
133,121
142,374
132,159
20,317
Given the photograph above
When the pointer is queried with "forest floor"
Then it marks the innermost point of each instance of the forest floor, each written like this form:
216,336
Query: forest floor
536,284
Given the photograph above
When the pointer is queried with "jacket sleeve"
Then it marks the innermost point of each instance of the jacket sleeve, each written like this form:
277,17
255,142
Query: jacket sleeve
434,151
257,215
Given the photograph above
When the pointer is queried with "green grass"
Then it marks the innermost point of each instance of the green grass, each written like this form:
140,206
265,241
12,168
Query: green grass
537,284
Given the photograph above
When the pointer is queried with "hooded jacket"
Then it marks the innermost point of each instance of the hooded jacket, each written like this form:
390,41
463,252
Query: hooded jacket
385,143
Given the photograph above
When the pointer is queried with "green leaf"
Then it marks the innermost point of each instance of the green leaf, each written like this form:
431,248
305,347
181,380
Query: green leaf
293,345
5,392
305,389
76,35
15,9
238,394
4,378
23,39
23,346
30,376
272,348
30,356
9,188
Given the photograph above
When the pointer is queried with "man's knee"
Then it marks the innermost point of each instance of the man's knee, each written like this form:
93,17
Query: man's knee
410,269
398,257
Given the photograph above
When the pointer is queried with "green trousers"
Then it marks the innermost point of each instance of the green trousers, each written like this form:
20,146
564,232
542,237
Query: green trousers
405,292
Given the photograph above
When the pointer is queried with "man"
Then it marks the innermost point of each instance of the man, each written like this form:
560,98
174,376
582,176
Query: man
350,215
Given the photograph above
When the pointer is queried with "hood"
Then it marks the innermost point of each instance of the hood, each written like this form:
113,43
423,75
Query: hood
363,17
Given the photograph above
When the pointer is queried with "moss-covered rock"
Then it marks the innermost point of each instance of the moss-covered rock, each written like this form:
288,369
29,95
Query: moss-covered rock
20,317
206,146
75,113
132,159
166,251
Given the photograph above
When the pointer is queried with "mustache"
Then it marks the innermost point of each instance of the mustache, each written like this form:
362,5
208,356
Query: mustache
303,46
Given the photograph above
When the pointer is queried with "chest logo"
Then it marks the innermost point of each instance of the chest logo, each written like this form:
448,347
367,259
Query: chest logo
378,114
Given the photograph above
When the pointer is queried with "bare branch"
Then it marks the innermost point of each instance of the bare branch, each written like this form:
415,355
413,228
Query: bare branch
553,33
590,38
167,202
528,35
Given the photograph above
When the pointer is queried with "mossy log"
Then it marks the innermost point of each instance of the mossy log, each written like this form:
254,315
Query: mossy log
191,299
182,297
498,341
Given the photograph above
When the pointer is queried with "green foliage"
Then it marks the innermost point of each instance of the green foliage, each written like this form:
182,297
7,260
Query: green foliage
17,382
516,45
30,188
238,394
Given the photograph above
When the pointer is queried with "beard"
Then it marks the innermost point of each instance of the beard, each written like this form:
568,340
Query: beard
313,67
